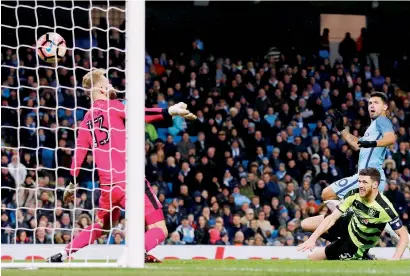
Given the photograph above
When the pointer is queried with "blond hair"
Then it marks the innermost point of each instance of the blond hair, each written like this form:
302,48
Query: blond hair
92,78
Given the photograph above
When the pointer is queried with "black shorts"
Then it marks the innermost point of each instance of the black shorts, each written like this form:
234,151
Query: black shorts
343,249
340,228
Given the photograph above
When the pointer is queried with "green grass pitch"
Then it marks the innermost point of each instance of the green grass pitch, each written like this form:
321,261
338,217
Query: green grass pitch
235,267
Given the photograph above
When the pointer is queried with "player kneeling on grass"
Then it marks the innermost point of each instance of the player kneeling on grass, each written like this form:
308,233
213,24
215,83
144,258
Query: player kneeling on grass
360,229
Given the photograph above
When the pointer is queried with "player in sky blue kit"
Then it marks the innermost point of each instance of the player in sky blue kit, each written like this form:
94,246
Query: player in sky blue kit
372,146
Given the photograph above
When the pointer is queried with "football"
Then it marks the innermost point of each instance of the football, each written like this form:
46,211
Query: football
51,47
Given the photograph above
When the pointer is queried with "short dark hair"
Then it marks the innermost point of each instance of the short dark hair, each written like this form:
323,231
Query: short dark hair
381,95
372,172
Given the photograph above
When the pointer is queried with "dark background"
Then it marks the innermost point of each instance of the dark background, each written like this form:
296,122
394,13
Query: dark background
222,25
256,27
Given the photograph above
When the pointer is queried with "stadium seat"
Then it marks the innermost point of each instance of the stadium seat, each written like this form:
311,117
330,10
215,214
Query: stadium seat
312,127
79,113
270,149
61,112
245,163
169,186
177,139
48,158
163,132
163,137
193,139
296,131
168,200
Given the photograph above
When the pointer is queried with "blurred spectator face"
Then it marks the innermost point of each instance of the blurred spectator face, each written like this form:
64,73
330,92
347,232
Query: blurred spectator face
154,189
393,185
185,222
291,226
255,116
171,161
289,155
175,237
227,211
266,178
324,167
44,196
239,237
282,167
289,241
261,184
211,152
222,136
323,144
23,236
298,141
261,216
290,187
236,220
65,220
4,217
154,159
15,160
255,199
40,233
183,190
201,221
171,209
185,166
306,184
250,214
205,195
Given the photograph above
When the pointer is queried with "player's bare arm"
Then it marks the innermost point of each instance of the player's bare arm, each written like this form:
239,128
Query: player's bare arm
328,222
352,140
402,244
389,138
338,121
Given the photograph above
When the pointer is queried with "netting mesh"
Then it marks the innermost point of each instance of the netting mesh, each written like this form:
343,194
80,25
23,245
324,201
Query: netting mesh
42,106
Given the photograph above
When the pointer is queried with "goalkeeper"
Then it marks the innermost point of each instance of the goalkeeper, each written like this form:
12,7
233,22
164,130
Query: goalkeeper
103,130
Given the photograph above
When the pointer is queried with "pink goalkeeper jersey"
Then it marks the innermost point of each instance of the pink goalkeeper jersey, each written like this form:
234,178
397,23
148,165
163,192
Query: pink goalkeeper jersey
103,130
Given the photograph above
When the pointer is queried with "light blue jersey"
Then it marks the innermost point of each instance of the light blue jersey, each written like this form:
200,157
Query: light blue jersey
368,157
374,157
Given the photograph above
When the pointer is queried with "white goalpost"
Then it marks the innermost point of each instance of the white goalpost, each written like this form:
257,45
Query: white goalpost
31,254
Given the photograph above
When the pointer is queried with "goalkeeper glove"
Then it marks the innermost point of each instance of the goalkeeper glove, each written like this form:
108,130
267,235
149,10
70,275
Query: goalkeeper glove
69,193
180,109
338,120
367,144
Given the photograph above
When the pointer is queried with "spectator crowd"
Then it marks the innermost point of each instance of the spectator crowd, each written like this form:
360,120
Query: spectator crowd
246,172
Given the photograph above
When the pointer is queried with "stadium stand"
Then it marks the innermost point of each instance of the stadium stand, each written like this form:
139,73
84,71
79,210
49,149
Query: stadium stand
245,173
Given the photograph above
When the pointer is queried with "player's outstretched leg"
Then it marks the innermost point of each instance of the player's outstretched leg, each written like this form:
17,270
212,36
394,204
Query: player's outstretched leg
155,222
318,254
340,188
87,236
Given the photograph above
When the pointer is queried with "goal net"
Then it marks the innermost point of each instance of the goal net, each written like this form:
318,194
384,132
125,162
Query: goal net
42,107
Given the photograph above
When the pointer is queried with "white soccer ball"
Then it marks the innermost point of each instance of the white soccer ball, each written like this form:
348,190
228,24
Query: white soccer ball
51,47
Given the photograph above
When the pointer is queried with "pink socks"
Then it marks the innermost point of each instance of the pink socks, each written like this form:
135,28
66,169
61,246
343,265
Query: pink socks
153,237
